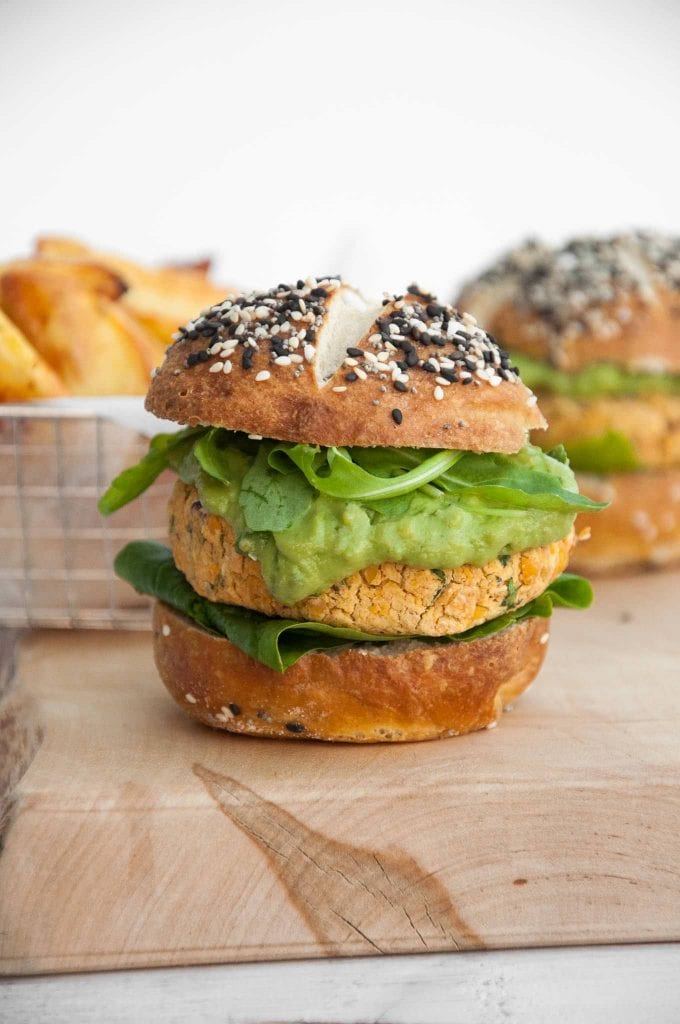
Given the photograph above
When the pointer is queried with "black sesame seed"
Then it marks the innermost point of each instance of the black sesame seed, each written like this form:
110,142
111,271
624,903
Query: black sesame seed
430,368
411,357
319,293
434,309
295,727
467,380
351,376
235,709
397,415
300,284
400,386
356,352
449,375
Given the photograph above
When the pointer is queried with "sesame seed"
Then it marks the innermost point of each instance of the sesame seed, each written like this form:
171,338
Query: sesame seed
216,367
438,393
189,698
397,416
310,352
443,381
282,361
165,629
338,390
262,375
255,437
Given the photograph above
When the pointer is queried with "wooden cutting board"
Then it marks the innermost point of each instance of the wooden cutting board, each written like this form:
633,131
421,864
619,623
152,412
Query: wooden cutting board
137,838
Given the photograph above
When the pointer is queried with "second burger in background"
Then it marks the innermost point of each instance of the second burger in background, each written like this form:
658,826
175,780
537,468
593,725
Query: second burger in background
594,327
364,546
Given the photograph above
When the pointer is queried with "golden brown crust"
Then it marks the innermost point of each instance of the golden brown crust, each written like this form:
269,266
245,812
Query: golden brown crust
359,695
650,338
651,424
609,299
641,527
388,598
294,403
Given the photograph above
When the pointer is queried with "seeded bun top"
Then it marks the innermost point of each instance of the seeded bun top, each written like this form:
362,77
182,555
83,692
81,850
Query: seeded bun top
316,363
614,300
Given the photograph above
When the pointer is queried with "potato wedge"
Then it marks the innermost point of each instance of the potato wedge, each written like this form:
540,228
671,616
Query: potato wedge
24,374
163,299
90,274
83,334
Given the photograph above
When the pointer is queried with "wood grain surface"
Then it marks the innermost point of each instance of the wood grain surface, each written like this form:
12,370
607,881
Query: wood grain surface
137,838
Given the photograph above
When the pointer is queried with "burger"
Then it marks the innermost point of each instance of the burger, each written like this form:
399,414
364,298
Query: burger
594,327
363,545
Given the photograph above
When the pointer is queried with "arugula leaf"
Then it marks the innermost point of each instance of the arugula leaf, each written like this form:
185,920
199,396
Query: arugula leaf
271,500
342,477
279,643
136,479
611,452
504,481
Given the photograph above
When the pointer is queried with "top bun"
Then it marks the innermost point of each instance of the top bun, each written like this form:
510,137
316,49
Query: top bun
316,363
614,300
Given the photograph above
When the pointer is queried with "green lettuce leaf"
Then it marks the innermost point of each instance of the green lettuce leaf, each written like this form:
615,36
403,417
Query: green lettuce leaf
611,452
281,478
504,481
594,380
279,643
271,500
133,481
335,472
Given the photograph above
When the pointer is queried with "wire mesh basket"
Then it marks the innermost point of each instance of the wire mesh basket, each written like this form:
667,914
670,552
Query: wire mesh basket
56,550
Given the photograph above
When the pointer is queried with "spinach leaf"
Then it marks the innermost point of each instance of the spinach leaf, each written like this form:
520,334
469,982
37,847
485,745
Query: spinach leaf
279,643
133,481
271,500
611,452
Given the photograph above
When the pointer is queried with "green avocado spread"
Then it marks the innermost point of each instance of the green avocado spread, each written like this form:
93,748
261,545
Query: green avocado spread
317,539
312,516
596,380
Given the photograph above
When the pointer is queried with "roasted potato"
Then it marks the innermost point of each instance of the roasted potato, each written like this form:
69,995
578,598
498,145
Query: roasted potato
24,374
87,338
162,299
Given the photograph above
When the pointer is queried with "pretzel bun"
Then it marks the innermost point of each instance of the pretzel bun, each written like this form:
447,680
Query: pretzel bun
639,529
403,691
613,300
318,364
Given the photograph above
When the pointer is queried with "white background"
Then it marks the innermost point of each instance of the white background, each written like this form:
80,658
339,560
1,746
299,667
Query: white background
387,141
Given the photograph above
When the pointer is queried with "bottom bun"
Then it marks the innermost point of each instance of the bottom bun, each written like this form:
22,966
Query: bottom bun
407,690
641,527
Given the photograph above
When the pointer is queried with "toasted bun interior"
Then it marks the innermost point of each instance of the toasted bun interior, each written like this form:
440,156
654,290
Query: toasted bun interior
399,692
